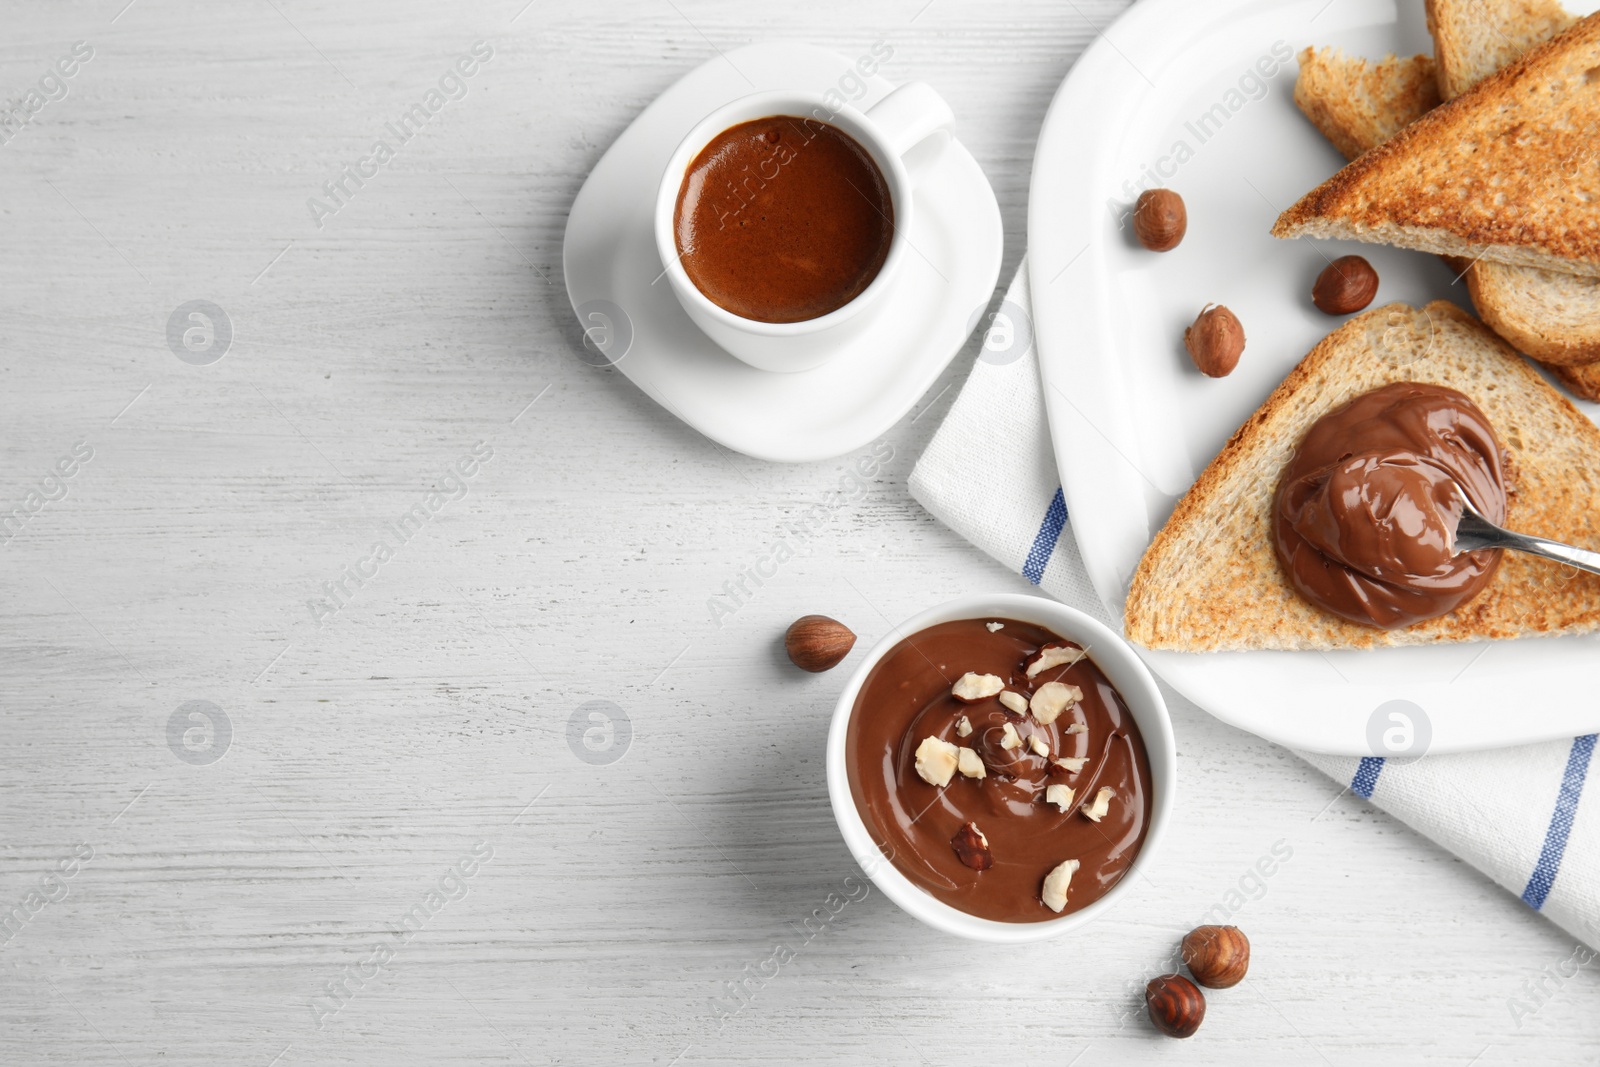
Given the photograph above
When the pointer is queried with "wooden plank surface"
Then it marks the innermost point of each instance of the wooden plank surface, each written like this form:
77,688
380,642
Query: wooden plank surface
377,753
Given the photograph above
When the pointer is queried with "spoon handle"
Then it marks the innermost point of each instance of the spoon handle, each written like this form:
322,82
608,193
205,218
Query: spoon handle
1581,558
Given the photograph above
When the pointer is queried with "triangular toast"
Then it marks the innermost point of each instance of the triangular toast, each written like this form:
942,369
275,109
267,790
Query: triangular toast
1509,171
1584,381
1474,38
1211,582
1357,104
1552,317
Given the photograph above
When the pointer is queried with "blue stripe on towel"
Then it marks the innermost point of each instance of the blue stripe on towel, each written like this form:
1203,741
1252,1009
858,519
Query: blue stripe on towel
1044,542
1366,779
1555,838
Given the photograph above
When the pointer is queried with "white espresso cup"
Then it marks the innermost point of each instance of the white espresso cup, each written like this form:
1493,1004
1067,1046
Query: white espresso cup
887,131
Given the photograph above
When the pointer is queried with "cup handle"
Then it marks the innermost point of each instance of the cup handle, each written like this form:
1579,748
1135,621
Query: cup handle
910,114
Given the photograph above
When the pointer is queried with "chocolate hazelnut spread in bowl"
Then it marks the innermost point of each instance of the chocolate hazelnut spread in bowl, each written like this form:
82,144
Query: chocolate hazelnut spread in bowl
1000,765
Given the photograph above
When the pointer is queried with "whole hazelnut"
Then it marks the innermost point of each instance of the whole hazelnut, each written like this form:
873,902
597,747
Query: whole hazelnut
817,643
1217,956
1177,1007
1160,219
1345,286
1215,341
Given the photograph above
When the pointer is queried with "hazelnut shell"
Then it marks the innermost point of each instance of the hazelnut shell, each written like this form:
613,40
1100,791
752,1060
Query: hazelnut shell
1345,286
1217,956
1160,219
1215,341
817,643
1176,1005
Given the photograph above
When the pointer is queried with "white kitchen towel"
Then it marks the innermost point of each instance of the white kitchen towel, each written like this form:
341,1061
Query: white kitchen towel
1519,815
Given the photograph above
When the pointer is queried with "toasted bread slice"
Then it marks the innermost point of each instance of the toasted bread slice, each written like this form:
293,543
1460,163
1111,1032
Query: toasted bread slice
1357,104
1474,38
1584,382
1506,172
1211,582
1555,318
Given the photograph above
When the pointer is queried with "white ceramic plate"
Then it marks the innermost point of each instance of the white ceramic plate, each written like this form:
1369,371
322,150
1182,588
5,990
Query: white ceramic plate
611,268
1134,425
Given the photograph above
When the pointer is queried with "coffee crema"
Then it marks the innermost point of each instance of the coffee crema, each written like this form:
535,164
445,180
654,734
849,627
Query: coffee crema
783,219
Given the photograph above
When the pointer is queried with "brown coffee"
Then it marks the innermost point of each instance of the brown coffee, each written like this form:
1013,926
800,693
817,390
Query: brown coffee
783,219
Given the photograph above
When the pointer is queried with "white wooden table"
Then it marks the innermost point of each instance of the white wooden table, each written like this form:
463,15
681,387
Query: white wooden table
423,725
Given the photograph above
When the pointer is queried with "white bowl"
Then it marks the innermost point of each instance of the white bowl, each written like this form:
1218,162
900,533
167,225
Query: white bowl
1122,667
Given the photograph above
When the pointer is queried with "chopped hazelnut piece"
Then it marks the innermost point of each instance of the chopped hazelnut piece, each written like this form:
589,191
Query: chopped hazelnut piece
1009,739
1053,656
1077,727
1102,804
1014,701
1039,747
993,626
968,763
1059,795
936,761
1052,699
971,688
1055,885
1072,764
972,848
964,727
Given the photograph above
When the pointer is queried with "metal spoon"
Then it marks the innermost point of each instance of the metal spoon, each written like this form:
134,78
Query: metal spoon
1475,532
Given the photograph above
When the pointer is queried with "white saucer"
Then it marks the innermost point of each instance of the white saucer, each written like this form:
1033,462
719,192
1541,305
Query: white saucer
611,269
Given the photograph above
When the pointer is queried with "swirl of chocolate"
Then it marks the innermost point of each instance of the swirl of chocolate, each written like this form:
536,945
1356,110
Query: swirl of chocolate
989,742
1365,517
906,699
